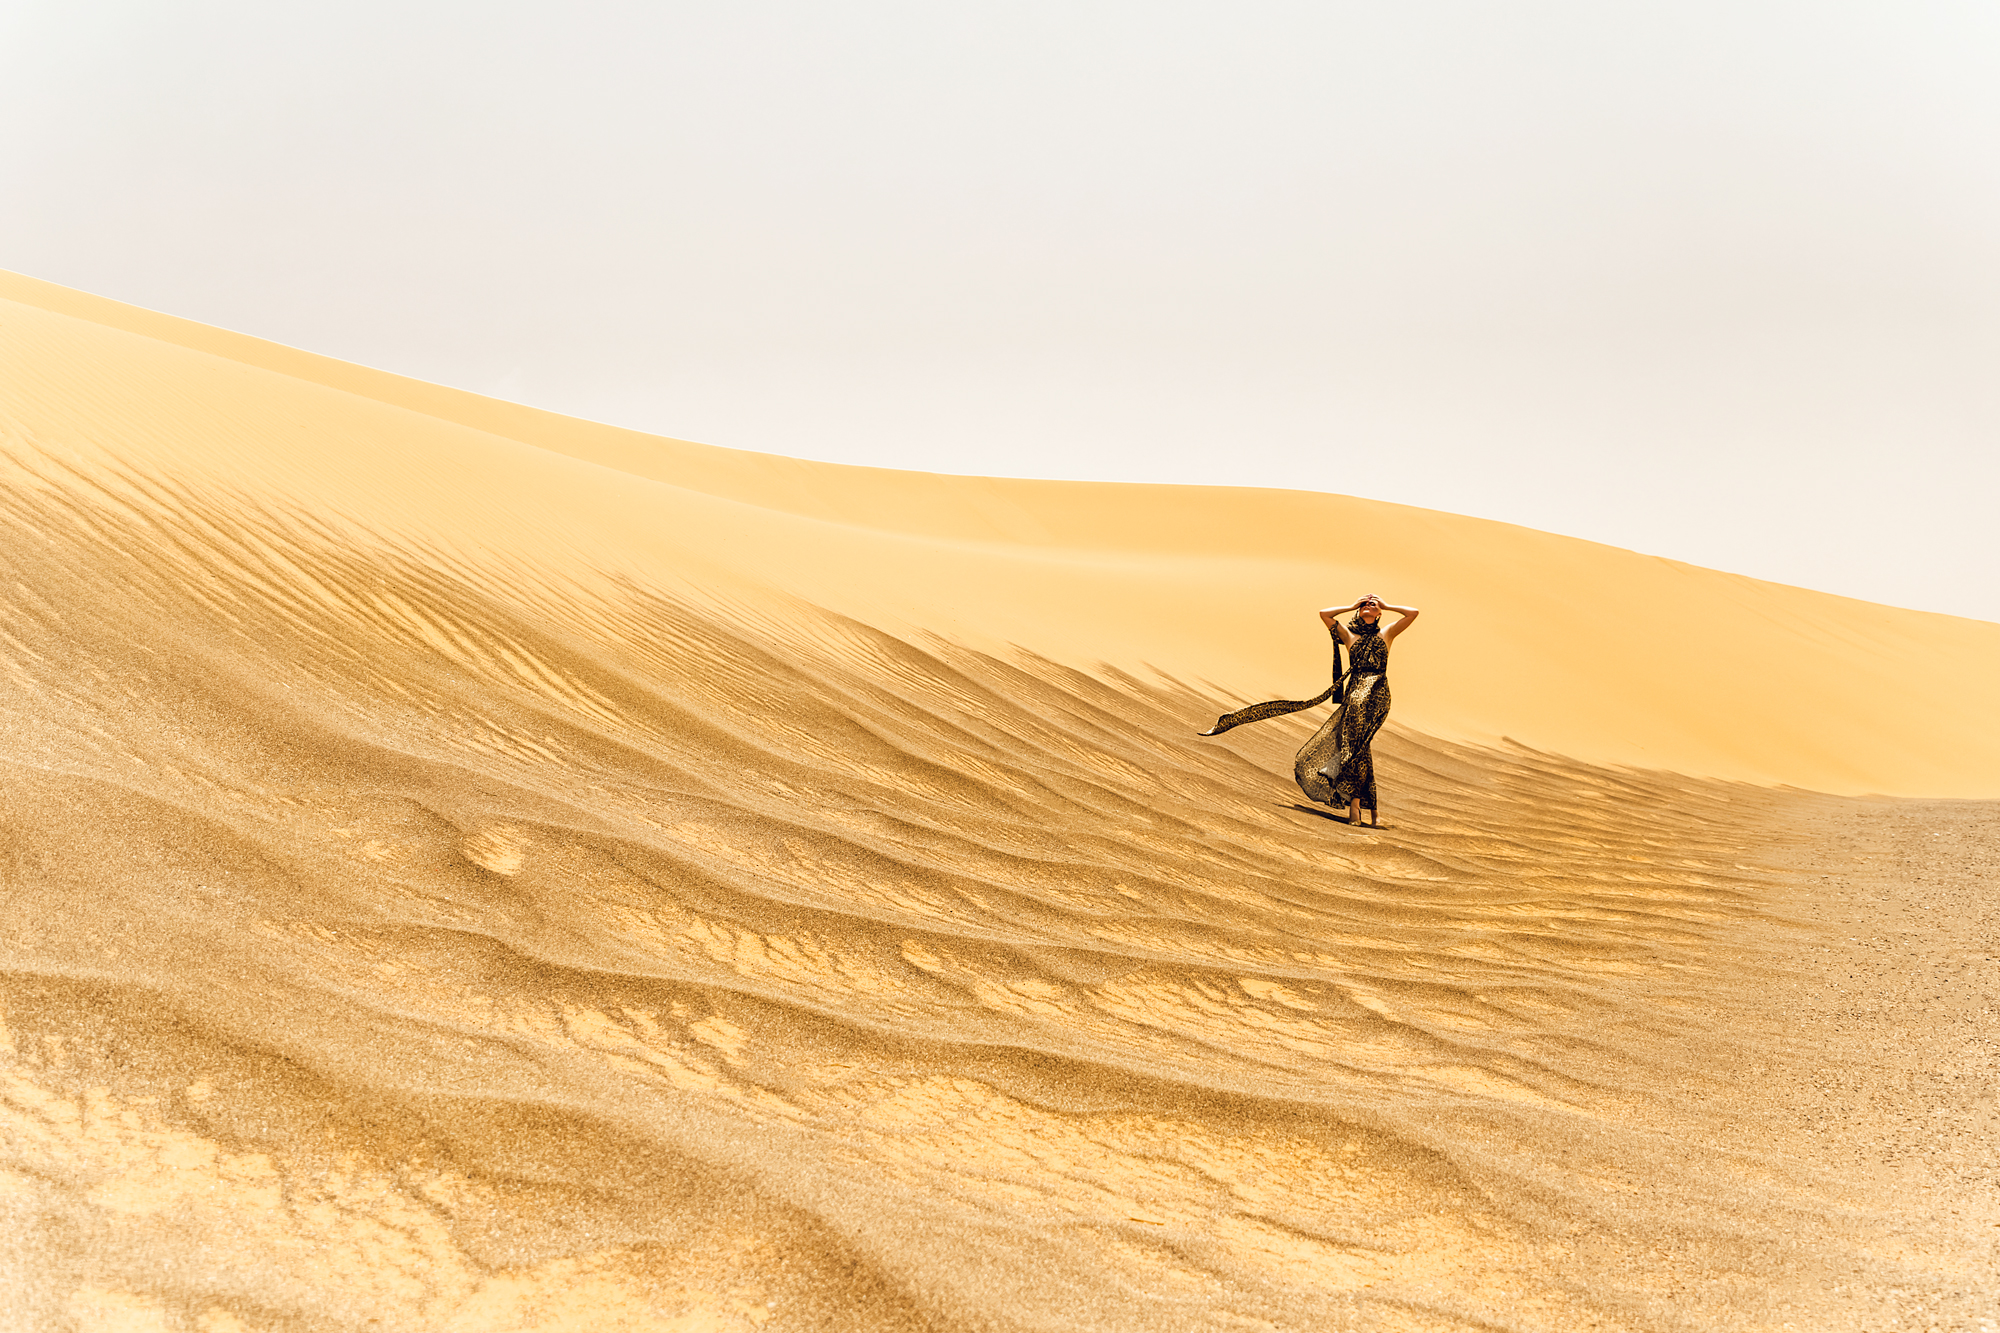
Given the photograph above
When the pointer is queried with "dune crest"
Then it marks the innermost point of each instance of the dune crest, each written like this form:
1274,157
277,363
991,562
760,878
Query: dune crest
469,869
1561,645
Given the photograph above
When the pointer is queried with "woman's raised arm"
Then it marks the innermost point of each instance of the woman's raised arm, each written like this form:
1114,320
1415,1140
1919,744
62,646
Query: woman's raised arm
1330,617
1408,614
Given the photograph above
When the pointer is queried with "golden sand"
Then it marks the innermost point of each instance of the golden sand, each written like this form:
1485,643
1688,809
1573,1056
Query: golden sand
473,869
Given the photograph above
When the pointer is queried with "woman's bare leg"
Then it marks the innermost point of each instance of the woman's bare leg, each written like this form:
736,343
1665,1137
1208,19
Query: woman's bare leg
1354,813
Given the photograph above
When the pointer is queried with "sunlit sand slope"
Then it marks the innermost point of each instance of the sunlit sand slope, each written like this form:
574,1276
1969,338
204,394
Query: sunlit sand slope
455,883
1589,651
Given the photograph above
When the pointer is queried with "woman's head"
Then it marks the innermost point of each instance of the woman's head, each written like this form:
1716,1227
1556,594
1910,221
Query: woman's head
1367,611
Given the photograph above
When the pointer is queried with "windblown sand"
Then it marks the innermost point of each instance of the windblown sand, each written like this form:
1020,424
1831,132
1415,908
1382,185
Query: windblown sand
471,870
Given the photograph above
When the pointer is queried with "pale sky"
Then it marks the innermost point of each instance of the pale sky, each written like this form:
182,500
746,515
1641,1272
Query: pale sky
1715,281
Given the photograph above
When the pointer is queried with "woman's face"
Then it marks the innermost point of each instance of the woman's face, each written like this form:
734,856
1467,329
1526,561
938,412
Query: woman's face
1371,610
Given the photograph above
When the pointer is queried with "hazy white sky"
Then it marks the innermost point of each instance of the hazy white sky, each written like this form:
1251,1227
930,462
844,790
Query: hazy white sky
1717,281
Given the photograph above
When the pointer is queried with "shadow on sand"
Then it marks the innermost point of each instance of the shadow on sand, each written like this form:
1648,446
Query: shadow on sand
1331,816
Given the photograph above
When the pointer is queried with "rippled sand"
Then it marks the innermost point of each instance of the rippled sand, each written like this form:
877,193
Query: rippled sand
409,931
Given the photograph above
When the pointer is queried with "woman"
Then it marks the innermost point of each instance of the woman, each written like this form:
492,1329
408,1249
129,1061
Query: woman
1337,767
1350,776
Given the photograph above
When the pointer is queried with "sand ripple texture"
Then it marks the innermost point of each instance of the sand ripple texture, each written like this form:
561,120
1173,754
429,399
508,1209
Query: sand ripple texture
424,913
381,952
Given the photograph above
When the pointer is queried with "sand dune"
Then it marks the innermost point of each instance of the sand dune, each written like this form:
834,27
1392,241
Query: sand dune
473,869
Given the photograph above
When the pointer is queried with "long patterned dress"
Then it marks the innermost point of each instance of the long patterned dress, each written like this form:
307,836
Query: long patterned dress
1336,766
1350,777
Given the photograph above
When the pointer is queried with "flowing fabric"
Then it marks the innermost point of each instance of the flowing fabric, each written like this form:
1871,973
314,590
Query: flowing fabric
1336,767
1280,707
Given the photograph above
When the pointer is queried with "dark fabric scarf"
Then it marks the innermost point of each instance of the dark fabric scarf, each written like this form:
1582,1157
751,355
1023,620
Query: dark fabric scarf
1318,764
1280,707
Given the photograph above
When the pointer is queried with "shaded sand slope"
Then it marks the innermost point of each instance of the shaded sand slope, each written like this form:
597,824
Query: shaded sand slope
456,883
1562,645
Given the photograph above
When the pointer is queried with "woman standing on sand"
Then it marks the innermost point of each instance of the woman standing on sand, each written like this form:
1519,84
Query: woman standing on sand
1351,776
1337,766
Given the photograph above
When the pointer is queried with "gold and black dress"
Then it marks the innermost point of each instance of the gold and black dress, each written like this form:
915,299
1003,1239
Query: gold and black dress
1336,767
1350,775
